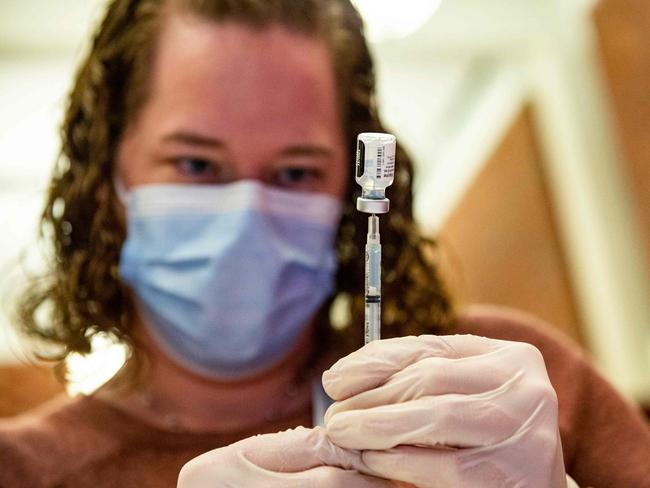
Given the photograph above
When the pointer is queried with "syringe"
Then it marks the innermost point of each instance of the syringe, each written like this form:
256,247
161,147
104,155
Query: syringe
373,282
375,172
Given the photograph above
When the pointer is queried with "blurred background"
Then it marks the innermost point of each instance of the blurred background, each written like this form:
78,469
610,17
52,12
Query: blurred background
530,124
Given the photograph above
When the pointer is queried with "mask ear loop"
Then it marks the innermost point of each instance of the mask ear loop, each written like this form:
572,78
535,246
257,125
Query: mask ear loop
120,189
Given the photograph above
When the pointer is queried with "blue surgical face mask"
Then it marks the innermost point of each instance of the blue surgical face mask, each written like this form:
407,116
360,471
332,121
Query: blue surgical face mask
227,277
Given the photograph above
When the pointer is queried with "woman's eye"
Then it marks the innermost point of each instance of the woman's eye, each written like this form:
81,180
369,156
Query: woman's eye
298,176
196,168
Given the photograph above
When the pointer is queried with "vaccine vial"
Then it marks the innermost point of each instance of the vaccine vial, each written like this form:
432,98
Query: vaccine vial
375,170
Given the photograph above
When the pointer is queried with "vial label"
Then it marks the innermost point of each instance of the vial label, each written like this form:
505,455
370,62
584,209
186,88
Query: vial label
361,158
380,161
388,158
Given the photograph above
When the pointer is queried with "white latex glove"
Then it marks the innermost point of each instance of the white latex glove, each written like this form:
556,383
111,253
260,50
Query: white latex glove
448,411
296,458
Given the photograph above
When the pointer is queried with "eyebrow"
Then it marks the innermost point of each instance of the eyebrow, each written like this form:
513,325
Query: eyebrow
193,139
307,150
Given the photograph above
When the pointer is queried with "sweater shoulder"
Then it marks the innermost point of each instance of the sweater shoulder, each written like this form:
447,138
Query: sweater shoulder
504,323
43,446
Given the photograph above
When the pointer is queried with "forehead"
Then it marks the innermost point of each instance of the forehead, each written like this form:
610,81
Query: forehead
232,78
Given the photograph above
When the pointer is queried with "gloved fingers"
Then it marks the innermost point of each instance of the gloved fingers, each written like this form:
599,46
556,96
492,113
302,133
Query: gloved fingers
297,450
246,473
478,467
328,477
376,362
434,376
446,420
291,451
419,466
318,477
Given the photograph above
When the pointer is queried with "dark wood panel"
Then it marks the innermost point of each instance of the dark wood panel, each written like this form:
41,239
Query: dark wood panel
504,237
624,36
25,387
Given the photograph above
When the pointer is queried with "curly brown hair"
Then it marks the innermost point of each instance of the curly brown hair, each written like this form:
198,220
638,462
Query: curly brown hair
82,293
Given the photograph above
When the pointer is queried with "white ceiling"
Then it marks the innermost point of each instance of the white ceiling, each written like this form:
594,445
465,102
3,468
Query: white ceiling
46,25
59,25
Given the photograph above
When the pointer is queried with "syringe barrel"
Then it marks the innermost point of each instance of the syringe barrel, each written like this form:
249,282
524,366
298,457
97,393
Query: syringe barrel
372,326
373,269
373,282
375,165
372,331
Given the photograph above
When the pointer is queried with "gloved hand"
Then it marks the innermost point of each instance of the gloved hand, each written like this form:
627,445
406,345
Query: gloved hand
294,458
448,411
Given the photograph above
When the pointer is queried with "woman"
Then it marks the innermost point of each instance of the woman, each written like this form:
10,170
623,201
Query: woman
202,214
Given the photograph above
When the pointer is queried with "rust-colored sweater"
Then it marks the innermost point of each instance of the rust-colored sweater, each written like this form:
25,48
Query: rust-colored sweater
84,442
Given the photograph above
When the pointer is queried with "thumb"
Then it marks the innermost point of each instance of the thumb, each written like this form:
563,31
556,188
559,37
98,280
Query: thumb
298,449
